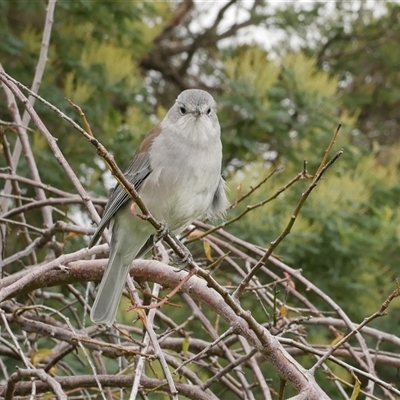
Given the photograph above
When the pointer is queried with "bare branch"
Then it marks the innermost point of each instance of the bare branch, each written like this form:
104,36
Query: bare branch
69,383
34,373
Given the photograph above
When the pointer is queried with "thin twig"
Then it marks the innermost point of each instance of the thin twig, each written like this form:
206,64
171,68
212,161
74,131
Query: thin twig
31,182
379,313
328,149
299,176
288,227
205,350
13,85
37,79
152,338
83,116
252,190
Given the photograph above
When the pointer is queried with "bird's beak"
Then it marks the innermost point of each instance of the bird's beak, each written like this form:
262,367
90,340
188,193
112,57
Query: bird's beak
197,111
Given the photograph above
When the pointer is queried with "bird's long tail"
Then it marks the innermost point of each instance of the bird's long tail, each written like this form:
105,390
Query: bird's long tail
124,248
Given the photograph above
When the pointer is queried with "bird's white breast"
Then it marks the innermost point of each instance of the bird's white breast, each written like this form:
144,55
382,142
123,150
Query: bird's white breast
186,167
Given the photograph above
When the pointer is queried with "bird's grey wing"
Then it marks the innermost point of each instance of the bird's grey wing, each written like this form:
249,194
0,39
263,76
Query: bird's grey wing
220,202
137,171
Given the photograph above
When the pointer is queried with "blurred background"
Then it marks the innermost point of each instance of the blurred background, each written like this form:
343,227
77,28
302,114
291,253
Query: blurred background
284,75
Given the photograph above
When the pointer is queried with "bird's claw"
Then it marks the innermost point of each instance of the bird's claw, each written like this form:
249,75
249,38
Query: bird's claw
162,231
183,262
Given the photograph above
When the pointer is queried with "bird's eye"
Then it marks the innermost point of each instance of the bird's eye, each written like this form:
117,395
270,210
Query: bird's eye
182,110
209,111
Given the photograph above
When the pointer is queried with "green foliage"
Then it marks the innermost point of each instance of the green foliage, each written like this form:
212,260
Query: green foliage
93,60
346,237
351,218
276,109
354,42
286,112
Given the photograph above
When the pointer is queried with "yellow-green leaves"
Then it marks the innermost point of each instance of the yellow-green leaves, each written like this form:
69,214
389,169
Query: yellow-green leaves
252,68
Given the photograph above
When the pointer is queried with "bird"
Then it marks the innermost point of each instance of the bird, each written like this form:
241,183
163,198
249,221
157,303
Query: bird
177,171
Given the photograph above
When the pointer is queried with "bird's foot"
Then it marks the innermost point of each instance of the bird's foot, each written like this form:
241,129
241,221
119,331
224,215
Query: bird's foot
161,232
182,261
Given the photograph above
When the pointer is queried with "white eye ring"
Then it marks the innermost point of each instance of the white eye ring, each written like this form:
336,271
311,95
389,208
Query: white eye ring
209,111
182,110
